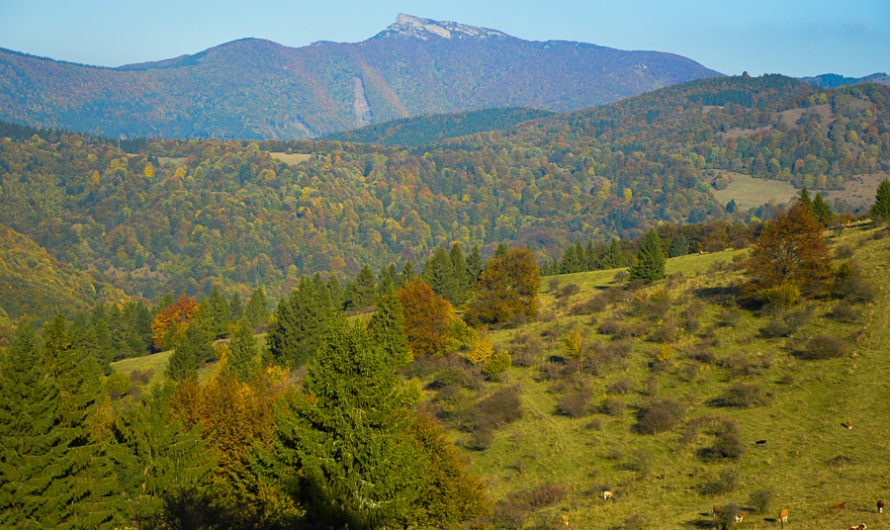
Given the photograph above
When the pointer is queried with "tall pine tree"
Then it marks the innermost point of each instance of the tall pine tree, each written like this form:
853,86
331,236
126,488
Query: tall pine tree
345,441
649,263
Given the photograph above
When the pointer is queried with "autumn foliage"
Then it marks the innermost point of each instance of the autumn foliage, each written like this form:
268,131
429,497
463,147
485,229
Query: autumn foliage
427,318
791,250
506,289
172,320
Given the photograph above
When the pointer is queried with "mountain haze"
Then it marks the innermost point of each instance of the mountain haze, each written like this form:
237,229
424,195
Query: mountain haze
253,88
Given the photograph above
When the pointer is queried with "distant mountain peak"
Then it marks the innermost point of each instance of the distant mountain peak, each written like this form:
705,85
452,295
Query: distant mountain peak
424,28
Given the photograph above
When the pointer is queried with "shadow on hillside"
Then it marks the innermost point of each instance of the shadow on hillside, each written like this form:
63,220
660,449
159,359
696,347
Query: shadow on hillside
723,295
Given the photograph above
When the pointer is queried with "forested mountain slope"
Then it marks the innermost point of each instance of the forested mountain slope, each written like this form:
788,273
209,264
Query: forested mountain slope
189,214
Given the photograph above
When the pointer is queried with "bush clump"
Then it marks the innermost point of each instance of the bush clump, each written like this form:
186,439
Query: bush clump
659,415
743,395
725,482
824,347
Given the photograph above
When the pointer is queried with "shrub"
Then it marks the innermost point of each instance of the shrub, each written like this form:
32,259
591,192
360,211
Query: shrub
743,395
844,252
725,482
622,386
783,296
659,416
666,332
691,316
612,407
727,442
849,285
786,323
567,290
744,364
594,305
496,365
141,377
761,500
524,349
824,347
576,401
844,312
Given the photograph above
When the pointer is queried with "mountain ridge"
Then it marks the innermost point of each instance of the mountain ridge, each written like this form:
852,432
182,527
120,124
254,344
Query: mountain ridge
256,88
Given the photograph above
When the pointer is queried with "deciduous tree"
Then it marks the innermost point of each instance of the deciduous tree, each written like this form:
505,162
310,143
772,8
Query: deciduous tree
791,250
507,288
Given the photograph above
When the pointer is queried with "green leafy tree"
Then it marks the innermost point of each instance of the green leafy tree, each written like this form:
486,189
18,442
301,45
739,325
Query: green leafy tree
880,210
345,440
649,263
507,288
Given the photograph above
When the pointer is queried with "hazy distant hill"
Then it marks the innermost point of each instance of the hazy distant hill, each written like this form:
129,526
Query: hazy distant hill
259,89
408,132
836,80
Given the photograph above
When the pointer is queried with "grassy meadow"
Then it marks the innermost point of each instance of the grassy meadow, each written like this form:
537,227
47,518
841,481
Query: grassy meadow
677,397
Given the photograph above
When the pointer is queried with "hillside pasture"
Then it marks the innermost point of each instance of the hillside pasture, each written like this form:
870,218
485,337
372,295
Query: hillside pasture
788,444
751,192
290,158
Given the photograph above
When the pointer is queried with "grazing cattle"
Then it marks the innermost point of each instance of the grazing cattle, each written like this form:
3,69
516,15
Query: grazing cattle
716,510
565,521
739,516
608,495
848,424
840,506
881,505
783,517
860,527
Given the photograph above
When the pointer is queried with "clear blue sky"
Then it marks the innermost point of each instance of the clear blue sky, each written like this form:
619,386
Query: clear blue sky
792,37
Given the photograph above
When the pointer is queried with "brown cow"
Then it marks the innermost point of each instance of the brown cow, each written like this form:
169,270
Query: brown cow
881,505
783,517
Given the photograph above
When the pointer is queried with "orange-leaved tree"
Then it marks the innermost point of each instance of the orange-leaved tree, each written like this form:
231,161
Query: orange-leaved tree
428,318
791,251
172,320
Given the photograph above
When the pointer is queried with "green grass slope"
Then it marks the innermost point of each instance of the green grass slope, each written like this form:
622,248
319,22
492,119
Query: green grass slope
556,460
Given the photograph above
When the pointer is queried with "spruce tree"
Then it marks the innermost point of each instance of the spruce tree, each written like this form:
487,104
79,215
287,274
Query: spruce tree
219,313
257,310
360,291
387,325
440,274
347,446
243,352
302,323
462,274
475,264
649,263
822,211
880,210
190,352
164,469
680,246
30,443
